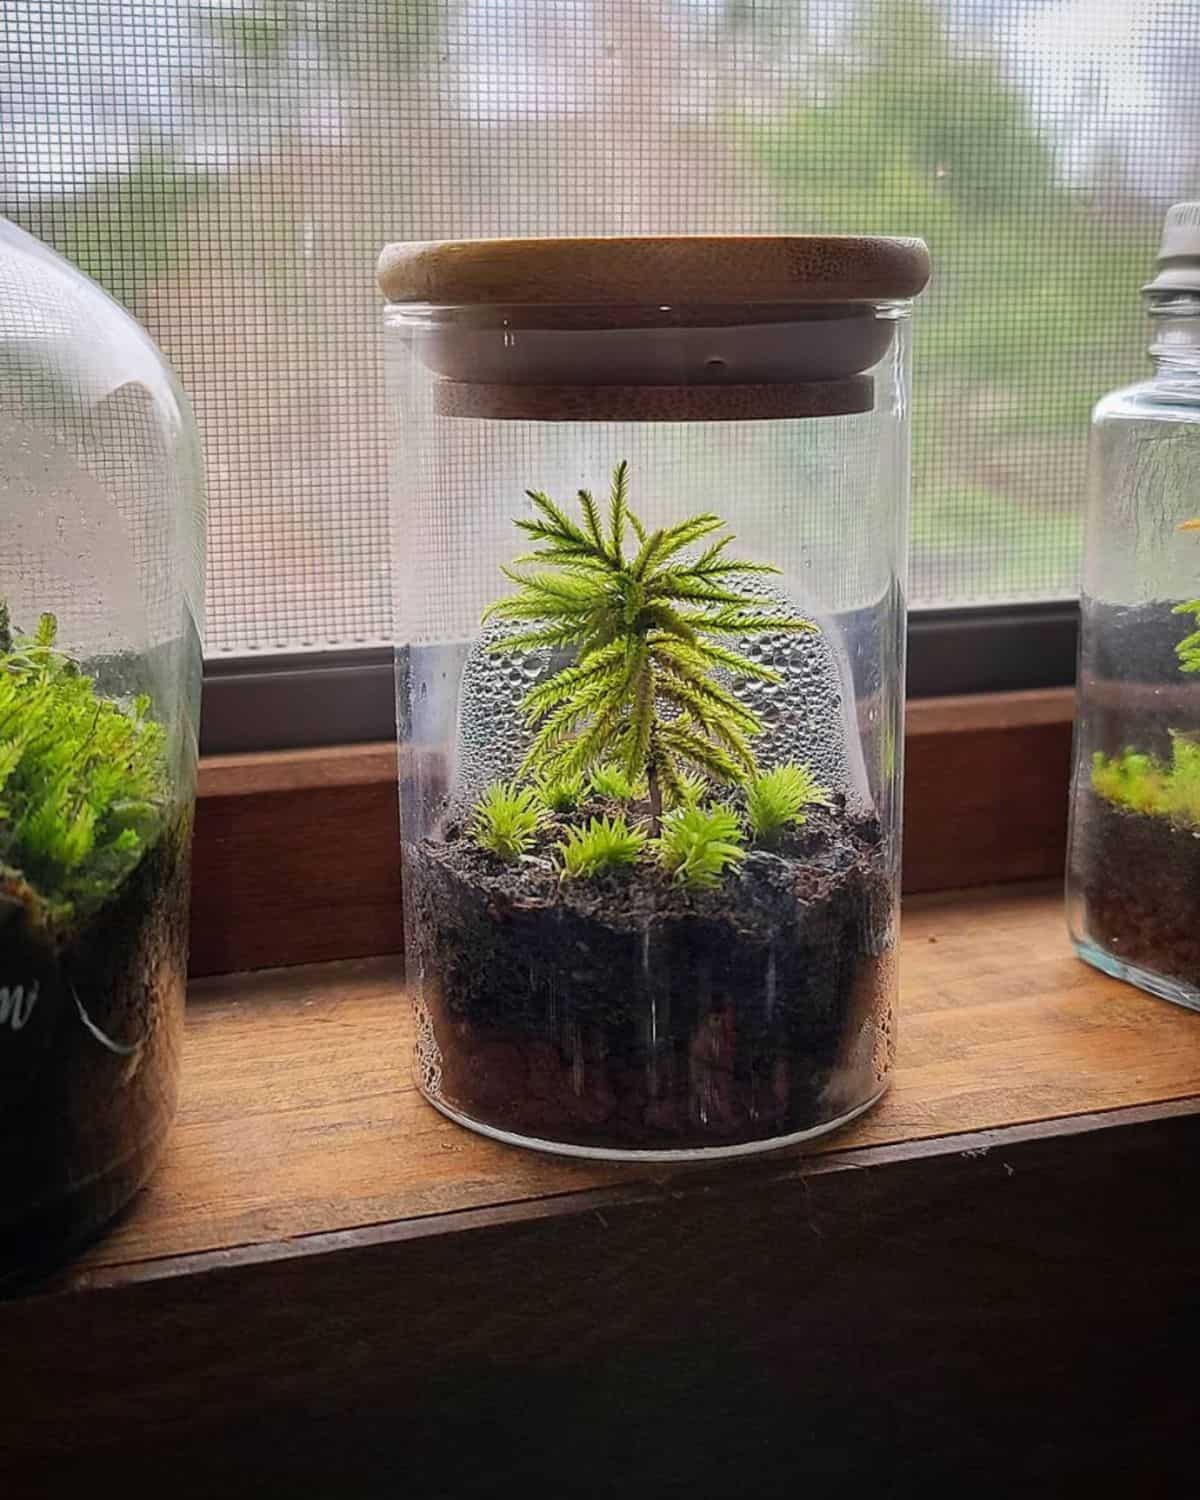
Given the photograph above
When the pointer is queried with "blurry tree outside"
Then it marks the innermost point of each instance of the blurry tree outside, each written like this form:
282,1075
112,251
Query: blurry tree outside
229,170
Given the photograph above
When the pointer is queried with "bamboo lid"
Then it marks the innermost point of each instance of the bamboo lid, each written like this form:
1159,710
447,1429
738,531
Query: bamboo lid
655,269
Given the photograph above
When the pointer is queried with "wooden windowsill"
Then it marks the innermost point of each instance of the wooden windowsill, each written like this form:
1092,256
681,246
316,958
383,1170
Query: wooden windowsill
318,1237
300,1118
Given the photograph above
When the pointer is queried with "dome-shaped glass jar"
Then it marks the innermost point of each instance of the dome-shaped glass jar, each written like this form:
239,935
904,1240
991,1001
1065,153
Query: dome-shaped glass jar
1133,881
651,513
101,579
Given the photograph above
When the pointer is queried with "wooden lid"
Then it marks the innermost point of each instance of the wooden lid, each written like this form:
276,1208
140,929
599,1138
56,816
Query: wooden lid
671,269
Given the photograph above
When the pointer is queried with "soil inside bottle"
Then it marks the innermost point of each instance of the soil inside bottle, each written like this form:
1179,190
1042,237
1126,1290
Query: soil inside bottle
1139,876
89,1046
628,1013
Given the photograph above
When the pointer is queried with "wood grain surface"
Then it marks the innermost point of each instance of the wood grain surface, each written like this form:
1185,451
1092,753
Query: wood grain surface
674,269
986,1287
300,1117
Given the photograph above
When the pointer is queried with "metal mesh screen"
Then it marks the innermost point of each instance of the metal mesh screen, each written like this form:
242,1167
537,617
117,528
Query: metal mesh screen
229,171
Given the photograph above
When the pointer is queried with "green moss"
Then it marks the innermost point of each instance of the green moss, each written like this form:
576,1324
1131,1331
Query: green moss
506,818
604,844
776,800
612,782
699,845
1156,788
83,780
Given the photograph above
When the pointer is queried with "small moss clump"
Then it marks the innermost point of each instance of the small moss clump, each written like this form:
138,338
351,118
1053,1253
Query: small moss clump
561,794
611,782
602,845
1157,788
698,845
83,779
777,800
506,819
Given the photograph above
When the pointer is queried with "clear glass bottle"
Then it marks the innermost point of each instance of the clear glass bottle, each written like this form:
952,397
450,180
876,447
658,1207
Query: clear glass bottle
1133,882
650,798
101,579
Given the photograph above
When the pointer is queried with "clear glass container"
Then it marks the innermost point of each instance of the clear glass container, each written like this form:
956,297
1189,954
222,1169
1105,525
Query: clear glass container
650,503
1133,882
101,578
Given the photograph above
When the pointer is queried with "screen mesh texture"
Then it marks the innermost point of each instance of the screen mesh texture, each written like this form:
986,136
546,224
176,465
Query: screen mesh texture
229,171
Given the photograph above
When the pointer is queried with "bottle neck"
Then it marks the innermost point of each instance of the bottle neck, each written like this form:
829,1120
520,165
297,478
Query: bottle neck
1175,333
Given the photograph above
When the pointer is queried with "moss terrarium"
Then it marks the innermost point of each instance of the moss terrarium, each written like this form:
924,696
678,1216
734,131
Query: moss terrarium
1135,871
1134,864
650,686
99,668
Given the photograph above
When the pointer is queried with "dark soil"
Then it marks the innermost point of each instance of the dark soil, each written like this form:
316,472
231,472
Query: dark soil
627,1013
82,1122
1139,877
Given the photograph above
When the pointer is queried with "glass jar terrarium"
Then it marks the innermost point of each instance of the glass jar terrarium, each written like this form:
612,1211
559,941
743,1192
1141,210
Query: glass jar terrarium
101,574
651,503
1133,881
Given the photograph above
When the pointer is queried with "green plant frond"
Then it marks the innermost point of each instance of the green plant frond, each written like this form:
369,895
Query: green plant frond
703,656
712,562
687,531
699,845
548,637
571,591
713,718
603,845
778,799
608,661
737,620
646,554
639,529
585,567
681,585
660,616
1188,649
591,515
555,549
716,698
558,523
506,819
680,737
618,513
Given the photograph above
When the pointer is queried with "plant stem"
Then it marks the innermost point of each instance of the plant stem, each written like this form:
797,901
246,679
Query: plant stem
655,798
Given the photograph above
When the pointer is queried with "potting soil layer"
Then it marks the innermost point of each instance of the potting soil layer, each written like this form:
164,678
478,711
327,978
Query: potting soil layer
89,1044
627,1013
1139,879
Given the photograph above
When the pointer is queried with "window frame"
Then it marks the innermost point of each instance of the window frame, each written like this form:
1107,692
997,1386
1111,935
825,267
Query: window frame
347,697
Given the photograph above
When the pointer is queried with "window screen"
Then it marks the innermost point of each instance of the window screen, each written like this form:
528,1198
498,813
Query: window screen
229,171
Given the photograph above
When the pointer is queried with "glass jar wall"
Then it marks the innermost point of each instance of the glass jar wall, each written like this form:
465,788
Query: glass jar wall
1134,864
101,578
650,552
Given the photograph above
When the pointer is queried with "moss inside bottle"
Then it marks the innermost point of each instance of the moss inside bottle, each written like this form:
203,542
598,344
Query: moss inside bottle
101,528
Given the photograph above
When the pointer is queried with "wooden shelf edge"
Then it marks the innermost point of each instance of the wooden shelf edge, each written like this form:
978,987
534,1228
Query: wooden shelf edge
674,1189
